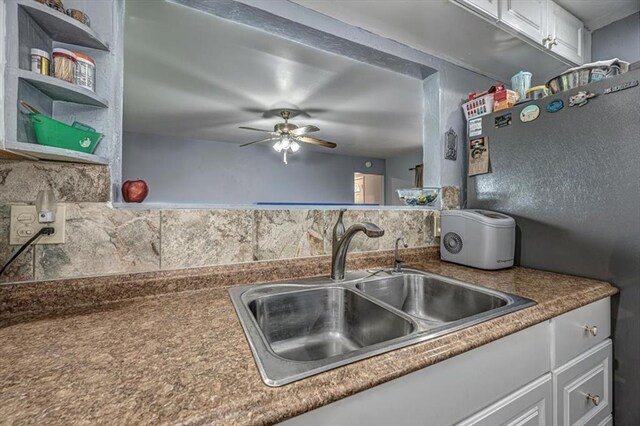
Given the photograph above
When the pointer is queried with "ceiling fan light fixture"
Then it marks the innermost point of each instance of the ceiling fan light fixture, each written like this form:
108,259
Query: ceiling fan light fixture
295,146
277,146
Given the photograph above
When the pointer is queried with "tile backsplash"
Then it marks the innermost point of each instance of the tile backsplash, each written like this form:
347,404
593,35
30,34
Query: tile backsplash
103,240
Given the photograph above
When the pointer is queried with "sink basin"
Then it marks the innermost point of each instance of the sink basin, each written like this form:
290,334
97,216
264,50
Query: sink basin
431,298
299,328
310,325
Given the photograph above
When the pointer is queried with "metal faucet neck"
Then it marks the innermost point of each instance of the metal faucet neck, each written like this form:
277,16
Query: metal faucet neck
342,238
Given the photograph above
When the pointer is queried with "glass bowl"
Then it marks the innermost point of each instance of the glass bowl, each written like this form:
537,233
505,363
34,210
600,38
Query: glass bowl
419,196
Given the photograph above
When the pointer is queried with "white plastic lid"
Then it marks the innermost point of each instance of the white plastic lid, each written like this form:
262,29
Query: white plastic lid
486,217
41,53
65,52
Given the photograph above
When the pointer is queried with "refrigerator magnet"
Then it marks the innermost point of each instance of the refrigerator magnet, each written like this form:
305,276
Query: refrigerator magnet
555,106
580,98
478,156
529,113
503,120
475,127
620,87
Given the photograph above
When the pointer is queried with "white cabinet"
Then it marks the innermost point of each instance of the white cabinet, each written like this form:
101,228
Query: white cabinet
539,22
529,406
566,34
488,8
582,388
527,17
511,381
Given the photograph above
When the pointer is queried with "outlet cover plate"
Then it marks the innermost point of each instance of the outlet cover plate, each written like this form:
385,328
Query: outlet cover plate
24,225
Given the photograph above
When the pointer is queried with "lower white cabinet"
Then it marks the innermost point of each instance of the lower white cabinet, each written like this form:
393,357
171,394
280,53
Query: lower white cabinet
582,388
530,406
515,380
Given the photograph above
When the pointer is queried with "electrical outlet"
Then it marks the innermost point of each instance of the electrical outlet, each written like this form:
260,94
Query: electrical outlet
436,226
24,225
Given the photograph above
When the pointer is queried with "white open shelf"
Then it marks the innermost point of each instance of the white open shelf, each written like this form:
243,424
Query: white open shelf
44,152
60,90
63,28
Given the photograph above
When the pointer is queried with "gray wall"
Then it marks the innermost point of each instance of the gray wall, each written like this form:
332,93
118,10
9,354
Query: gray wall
198,171
620,39
571,181
399,176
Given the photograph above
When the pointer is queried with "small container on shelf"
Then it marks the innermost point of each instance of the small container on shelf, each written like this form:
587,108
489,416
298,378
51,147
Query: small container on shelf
79,16
504,98
40,61
521,83
85,71
54,133
54,4
64,64
537,92
478,107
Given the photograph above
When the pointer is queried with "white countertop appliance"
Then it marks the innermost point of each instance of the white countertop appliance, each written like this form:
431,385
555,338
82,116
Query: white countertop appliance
479,238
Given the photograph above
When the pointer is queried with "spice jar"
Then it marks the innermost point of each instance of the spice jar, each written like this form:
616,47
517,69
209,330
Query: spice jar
64,64
40,61
80,16
85,71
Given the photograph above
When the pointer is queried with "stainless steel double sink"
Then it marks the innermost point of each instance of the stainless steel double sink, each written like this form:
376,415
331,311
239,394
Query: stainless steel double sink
300,328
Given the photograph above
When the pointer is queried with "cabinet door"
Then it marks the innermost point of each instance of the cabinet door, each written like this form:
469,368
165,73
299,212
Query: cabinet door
582,388
567,34
529,406
484,7
528,17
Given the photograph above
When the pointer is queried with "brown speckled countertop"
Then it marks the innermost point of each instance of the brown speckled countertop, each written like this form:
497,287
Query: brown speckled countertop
183,357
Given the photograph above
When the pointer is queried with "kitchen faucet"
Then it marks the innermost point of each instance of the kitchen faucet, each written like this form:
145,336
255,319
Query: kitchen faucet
342,238
397,262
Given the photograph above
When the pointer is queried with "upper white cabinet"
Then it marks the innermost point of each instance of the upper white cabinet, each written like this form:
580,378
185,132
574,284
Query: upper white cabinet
541,23
488,8
528,17
566,34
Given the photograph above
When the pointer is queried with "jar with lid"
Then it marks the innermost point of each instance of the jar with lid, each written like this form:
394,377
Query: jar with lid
40,61
64,64
85,71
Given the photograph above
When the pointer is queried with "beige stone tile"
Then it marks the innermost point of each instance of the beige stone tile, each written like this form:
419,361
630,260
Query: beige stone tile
22,268
282,234
408,224
20,181
360,242
102,240
450,197
193,238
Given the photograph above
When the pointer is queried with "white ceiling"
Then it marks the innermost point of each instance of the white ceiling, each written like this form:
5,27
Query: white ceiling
192,75
598,13
445,30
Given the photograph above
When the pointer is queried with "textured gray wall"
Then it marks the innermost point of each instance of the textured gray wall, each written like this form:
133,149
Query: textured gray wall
206,172
571,180
620,39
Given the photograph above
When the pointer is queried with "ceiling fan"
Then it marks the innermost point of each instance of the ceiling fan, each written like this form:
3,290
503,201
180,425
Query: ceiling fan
287,136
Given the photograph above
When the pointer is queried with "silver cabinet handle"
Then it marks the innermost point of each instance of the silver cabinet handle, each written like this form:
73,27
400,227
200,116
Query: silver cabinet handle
553,42
546,41
594,398
593,330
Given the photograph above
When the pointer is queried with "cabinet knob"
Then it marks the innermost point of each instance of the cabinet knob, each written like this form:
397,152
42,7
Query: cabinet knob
593,330
594,398
546,41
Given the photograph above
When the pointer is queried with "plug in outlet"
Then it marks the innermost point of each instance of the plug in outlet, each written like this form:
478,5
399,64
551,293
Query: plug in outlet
24,225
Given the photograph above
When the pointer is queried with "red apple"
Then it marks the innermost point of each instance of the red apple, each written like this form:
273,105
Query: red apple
135,191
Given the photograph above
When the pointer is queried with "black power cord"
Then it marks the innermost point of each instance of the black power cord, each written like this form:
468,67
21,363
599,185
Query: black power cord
47,230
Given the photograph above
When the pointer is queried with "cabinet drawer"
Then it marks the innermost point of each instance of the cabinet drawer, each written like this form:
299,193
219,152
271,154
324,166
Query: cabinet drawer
579,330
582,388
528,406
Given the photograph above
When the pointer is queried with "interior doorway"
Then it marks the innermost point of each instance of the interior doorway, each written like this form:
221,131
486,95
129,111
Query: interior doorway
368,189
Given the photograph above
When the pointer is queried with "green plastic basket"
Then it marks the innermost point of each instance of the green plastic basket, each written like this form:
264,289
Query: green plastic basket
51,132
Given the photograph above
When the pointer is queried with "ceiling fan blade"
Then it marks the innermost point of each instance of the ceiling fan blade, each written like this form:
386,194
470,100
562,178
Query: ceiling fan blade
304,130
257,130
260,141
315,141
